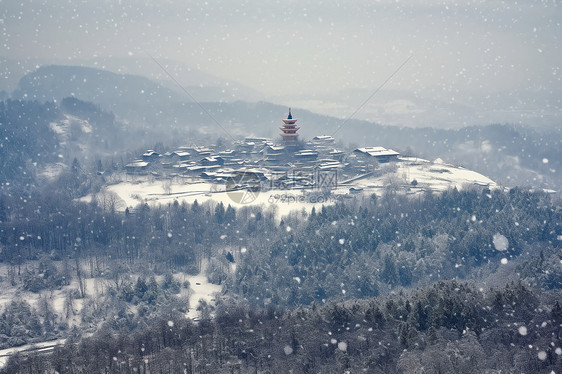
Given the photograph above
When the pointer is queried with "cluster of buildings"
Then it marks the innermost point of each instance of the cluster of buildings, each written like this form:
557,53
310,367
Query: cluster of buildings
290,161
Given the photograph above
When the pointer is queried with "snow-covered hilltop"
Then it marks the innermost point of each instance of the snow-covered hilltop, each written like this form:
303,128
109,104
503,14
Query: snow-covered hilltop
290,189
291,174
410,175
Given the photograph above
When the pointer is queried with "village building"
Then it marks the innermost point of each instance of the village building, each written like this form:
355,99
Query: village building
289,163
289,130
380,154
137,167
150,155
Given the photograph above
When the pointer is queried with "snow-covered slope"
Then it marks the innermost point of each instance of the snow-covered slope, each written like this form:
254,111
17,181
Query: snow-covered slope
415,175
409,175
73,136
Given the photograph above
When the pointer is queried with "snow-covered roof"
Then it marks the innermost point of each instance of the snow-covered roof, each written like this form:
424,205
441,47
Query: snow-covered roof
150,152
251,139
137,164
276,147
324,138
181,153
201,167
201,150
377,151
330,165
214,158
306,152
335,151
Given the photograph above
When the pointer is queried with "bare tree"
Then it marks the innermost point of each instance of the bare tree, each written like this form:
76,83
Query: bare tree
167,186
81,282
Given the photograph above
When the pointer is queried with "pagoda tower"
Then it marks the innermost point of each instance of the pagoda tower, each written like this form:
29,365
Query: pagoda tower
289,129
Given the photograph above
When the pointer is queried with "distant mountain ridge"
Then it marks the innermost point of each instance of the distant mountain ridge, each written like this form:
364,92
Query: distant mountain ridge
510,154
121,93
205,87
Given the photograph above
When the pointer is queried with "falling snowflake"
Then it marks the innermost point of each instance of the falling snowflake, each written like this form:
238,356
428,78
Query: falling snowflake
522,330
504,261
288,350
342,346
541,355
500,242
342,241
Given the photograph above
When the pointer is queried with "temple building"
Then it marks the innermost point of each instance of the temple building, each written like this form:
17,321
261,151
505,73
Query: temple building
380,154
289,129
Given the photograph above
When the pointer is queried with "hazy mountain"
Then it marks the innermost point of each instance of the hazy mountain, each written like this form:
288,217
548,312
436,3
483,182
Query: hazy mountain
120,93
507,153
207,87
433,108
12,70
204,87
135,99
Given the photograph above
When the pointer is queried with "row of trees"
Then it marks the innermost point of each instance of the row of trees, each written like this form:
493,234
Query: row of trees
49,223
356,248
364,248
448,327
353,250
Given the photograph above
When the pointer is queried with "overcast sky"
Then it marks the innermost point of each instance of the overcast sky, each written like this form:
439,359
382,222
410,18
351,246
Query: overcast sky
317,50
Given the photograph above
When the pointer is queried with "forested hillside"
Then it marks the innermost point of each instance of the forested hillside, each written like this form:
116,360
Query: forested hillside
448,282
355,248
26,139
363,284
39,141
450,327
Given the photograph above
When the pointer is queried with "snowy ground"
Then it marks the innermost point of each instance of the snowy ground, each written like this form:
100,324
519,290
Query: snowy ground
94,288
154,192
52,171
5,354
430,176
200,289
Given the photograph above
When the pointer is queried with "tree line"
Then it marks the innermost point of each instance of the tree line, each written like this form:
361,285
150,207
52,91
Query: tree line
447,327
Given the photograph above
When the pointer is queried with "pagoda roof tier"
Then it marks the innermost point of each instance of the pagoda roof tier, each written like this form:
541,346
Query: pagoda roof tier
295,128
289,121
289,135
